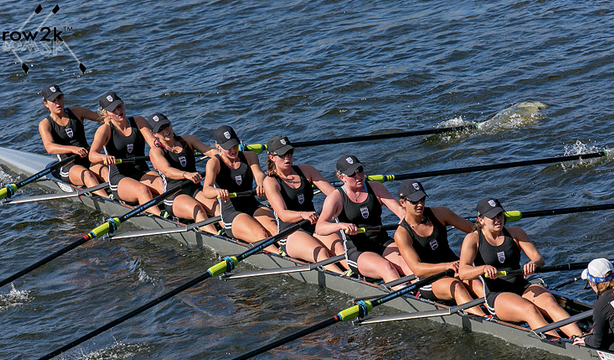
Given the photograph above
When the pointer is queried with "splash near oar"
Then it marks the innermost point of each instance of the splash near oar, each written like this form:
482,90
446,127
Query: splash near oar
9,189
109,225
359,310
261,147
227,264
385,178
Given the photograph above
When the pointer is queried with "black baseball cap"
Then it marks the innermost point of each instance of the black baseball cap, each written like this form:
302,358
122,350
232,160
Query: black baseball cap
489,207
156,121
226,137
51,92
348,164
109,101
412,190
279,145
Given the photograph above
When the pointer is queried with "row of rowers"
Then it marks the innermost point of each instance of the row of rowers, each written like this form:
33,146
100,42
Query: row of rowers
420,244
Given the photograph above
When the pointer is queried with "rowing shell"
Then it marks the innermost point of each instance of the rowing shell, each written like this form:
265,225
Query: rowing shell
25,163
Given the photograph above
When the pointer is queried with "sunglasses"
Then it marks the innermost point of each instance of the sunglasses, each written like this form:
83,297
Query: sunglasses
358,171
164,127
423,199
289,153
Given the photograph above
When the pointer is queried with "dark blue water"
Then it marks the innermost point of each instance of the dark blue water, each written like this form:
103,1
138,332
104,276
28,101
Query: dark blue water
536,75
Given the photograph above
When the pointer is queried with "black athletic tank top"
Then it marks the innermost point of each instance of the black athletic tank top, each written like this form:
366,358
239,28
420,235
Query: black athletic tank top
301,198
503,257
122,147
184,160
73,134
434,248
236,180
368,212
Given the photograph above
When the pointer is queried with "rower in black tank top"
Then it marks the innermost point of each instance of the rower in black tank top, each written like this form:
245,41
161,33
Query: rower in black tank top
368,212
73,134
432,249
503,257
299,199
236,180
184,161
121,147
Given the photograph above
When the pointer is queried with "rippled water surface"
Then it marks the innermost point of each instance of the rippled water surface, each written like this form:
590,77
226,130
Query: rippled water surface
536,76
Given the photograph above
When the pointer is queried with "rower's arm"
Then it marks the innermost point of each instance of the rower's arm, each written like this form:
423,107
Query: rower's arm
101,138
145,130
317,179
386,199
200,146
469,250
332,207
83,113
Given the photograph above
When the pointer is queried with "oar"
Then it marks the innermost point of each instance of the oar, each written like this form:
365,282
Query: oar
109,225
261,147
56,196
384,178
539,332
129,160
286,270
242,194
421,314
564,283
227,264
9,189
562,267
164,231
359,310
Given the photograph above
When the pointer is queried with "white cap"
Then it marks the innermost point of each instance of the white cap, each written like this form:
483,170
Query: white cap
597,271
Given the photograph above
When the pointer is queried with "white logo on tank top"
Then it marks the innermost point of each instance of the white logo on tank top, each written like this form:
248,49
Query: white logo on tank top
501,256
301,198
239,179
129,148
69,132
434,244
183,161
364,212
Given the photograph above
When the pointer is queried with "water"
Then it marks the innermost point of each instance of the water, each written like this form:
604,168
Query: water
536,75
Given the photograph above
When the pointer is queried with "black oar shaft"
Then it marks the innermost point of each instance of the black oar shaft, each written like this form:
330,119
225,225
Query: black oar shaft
215,270
287,339
129,315
499,166
348,314
9,189
383,136
97,232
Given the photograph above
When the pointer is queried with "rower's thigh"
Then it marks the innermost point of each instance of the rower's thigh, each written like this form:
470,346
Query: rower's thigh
211,206
512,307
246,228
152,180
372,265
540,296
444,288
392,254
304,246
266,218
186,207
130,190
76,175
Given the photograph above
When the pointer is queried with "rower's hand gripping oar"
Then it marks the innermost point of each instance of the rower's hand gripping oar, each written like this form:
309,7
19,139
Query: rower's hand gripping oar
359,310
385,178
110,225
261,147
227,264
9,189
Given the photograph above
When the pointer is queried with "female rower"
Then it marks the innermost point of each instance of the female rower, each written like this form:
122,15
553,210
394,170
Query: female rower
290,192
357,203
123,137
173,157
232,171
422,239
63,133
600,277
492,247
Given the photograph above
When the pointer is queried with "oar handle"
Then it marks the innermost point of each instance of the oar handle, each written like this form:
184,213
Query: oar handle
366,229
257,148
242,194
128,160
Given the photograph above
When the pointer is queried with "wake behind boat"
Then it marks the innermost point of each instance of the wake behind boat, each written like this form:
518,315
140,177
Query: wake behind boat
24,163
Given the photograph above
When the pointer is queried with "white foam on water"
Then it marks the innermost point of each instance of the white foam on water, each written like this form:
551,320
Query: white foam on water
579,148
515,116
118,351
14,298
